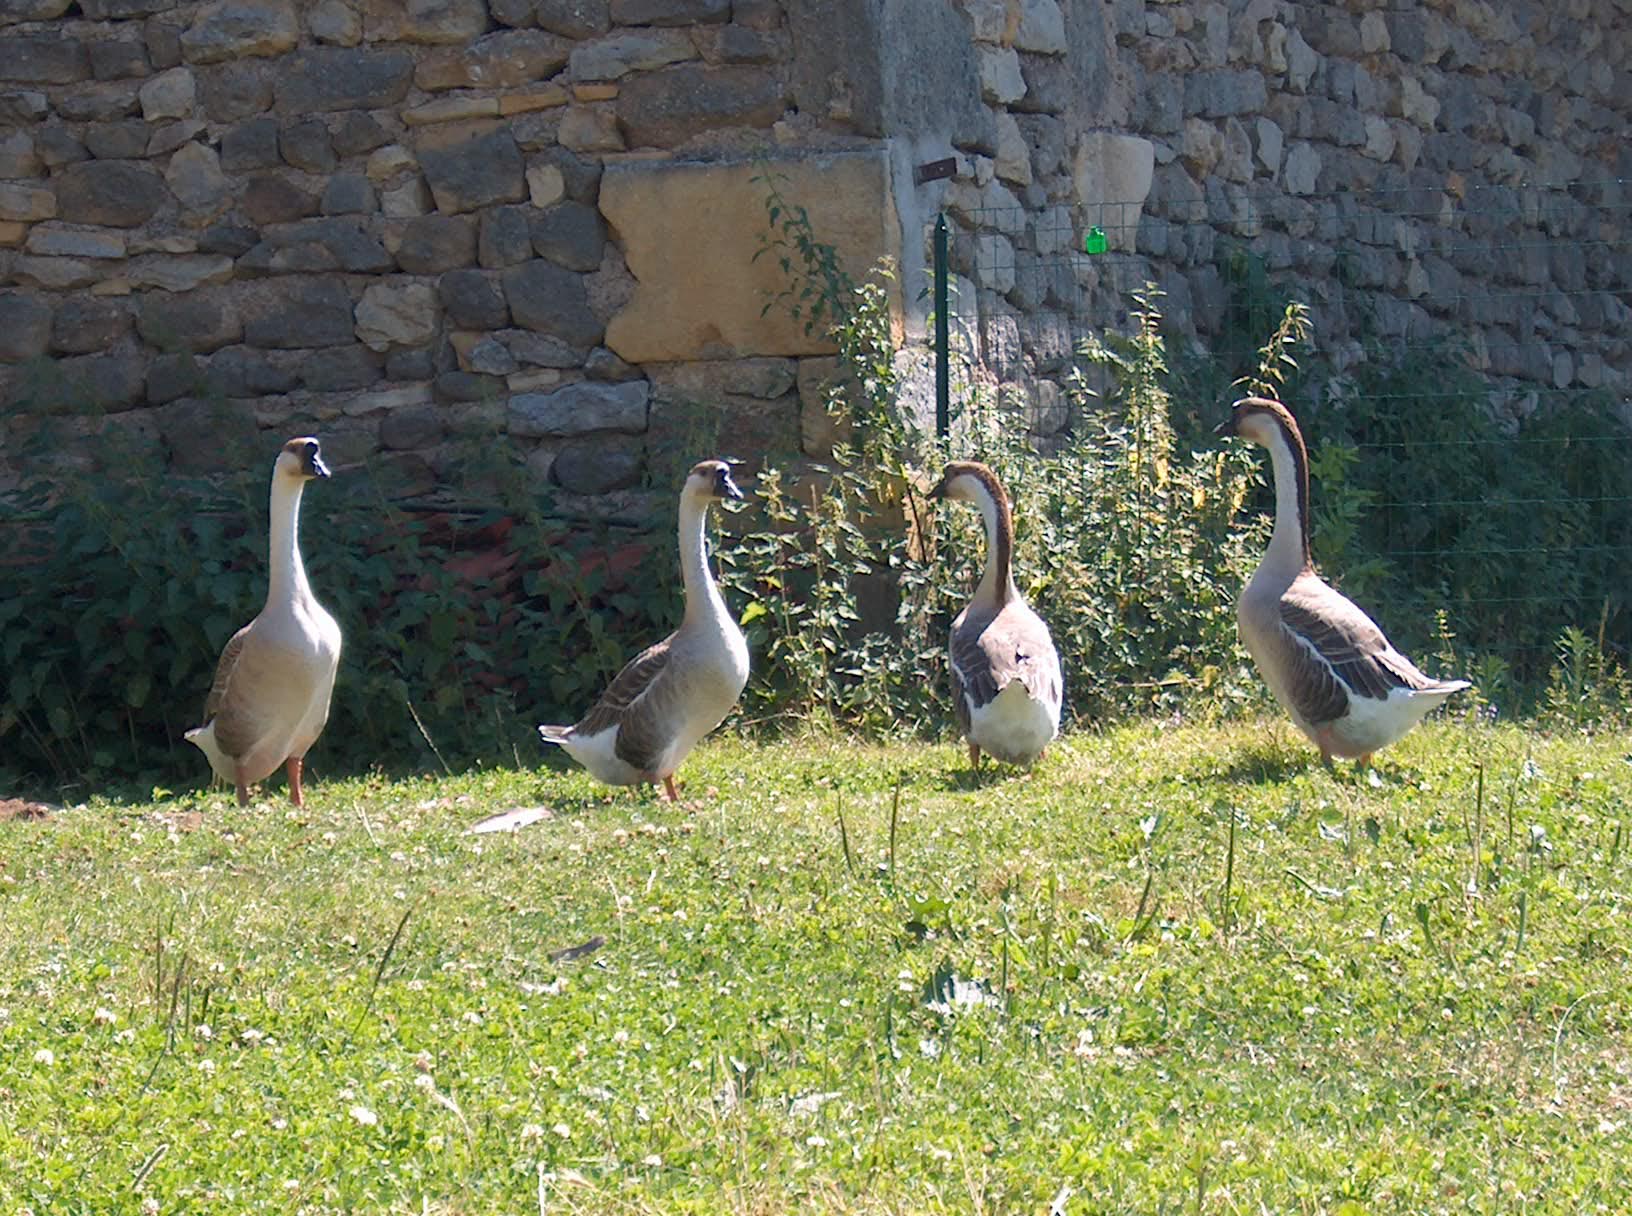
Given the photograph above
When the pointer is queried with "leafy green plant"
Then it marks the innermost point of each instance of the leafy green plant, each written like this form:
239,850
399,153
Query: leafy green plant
1127,546
1586,688
1423,500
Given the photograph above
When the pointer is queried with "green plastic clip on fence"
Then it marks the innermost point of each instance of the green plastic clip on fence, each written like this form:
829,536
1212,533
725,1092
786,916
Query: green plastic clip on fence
1093,240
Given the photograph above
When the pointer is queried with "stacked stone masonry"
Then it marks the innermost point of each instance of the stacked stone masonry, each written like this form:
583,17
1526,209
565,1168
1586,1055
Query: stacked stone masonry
397,222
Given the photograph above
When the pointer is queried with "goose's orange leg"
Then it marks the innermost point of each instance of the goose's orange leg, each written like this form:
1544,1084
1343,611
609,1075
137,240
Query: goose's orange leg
293,767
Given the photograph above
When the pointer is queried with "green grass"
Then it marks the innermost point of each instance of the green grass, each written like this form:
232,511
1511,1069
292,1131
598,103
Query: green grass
1390,997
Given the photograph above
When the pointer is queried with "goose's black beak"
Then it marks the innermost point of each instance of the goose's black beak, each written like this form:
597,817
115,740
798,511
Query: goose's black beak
939,491
1227,427
729,488
314,463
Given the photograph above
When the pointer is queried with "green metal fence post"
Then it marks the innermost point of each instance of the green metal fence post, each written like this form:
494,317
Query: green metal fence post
943,362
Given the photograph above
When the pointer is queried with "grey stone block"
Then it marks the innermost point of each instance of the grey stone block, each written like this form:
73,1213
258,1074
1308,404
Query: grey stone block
300,312
569,234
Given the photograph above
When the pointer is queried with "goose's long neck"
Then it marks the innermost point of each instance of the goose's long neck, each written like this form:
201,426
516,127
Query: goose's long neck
287,580
997,581
703,598
1289,543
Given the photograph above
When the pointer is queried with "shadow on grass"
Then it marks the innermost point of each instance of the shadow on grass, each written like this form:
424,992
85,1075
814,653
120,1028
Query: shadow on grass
964,779
1266,763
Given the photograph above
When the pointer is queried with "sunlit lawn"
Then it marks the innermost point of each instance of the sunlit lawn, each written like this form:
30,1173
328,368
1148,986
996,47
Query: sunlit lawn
802,991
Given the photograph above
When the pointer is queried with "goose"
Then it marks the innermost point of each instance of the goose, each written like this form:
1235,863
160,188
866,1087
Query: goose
270,697
1006,682
1326,661
673,693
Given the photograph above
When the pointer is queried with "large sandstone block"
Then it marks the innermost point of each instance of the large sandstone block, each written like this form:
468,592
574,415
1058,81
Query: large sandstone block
1113,173
687,235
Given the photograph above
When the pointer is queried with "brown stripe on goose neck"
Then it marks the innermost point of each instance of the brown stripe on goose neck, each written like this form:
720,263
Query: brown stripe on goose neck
1003,532
1300,468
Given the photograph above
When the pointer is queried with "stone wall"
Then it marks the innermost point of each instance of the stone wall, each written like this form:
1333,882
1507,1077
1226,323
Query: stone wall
1410,170
397,223
401,225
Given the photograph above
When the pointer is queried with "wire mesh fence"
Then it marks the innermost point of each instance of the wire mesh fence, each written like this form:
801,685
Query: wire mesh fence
1464,391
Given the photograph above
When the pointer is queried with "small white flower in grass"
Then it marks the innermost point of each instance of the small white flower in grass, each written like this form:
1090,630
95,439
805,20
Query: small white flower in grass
620,1036
291,1184
562,1130
474,1018
45,1057
127,1035
652,1160
250,1036
104,1017
279,1125
425,1081
207,1067
365,1116
531,1132
204,1031
816,1141
329,838
150,1206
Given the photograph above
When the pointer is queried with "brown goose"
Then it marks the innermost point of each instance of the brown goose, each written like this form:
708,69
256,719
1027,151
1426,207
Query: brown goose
1325,660
1006,682
671,694
270,697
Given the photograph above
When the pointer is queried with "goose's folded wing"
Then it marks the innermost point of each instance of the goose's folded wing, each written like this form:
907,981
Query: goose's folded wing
633,703
973,679
988,656
1336,651
234,731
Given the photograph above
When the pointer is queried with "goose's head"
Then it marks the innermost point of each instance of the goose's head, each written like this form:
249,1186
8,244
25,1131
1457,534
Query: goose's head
969,481
1260,420
301,460
711,479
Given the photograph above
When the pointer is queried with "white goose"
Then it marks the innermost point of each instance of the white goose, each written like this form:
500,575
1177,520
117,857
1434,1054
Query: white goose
672,694
1325,660
1006,682
270,697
